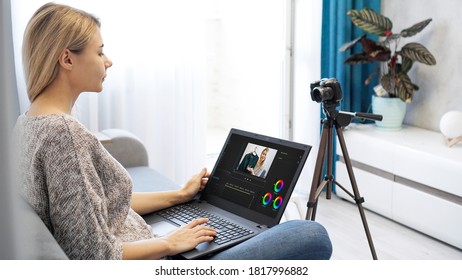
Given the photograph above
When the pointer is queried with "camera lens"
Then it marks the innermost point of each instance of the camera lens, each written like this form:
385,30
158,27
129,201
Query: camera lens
322,94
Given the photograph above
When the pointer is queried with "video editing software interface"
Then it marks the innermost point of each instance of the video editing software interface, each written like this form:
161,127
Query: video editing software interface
255,174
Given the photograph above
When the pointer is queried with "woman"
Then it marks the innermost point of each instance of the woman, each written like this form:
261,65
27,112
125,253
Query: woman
259,169
83,194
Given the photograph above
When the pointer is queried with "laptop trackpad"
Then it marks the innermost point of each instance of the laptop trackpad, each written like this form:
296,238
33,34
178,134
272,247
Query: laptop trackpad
203,246
162,228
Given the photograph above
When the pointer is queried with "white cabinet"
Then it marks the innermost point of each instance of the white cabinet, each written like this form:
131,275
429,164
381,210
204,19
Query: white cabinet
409,176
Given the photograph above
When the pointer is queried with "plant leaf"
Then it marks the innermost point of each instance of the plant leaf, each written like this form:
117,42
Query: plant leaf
388,83
358,58
349,45
375,51
406,64
417,52
370,21
416,28
405,87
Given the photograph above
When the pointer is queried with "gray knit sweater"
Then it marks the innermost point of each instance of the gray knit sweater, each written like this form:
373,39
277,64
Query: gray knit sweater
77,188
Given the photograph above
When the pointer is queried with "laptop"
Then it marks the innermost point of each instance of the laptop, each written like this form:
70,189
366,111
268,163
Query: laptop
247,198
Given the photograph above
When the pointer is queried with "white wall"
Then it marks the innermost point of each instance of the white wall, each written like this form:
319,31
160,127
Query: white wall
307,61
440,84
245,47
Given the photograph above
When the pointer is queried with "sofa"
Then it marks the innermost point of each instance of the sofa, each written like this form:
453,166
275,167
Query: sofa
36,241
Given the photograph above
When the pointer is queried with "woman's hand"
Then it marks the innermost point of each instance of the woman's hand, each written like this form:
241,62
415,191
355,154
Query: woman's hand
180,240
147,202
195,184
189,236
251,171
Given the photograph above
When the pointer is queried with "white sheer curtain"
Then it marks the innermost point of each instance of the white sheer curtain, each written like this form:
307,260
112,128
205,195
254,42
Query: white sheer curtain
155,88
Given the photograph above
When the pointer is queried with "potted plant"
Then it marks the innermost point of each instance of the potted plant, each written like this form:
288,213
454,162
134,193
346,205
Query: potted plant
394,62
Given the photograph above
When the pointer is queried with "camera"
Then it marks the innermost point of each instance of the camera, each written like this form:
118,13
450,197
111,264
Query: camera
326,90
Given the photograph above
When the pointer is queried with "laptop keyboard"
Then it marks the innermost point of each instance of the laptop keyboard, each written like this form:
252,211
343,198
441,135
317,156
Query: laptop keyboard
226,230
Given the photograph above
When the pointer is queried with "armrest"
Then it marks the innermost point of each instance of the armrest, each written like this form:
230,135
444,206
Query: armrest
125,147
36,241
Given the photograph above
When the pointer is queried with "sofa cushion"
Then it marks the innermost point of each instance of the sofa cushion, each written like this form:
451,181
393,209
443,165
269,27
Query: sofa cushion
36,241
125,147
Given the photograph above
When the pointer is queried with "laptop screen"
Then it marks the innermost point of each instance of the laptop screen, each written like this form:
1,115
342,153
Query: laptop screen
255,175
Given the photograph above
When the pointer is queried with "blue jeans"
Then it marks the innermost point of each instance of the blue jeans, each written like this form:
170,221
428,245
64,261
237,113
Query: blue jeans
291,240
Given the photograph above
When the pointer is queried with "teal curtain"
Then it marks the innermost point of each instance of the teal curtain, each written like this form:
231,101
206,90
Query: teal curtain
337,29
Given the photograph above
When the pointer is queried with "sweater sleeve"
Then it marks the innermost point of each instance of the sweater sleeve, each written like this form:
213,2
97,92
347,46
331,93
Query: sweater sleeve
77,200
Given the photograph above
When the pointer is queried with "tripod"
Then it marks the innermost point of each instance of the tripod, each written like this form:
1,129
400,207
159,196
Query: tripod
338,120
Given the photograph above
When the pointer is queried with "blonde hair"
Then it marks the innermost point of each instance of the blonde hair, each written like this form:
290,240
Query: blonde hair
52,29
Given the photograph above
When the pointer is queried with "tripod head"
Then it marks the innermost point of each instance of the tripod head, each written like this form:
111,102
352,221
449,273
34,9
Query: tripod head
329,92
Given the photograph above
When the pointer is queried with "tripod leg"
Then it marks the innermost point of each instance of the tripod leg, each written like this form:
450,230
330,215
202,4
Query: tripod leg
358,199
329,168
316,184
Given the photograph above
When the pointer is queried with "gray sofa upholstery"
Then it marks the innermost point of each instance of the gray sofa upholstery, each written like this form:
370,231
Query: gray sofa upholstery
131,153
36,241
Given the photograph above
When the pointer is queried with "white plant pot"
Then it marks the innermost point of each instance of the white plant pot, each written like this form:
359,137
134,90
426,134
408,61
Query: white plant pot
393,111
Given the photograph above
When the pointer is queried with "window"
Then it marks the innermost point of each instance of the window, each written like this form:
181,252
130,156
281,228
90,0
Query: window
246,76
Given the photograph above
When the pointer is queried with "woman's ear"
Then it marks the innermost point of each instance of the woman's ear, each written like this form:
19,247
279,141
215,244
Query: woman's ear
65,59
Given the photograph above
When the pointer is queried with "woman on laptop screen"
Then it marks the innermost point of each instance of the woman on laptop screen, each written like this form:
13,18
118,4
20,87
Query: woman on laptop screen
82,194
254,163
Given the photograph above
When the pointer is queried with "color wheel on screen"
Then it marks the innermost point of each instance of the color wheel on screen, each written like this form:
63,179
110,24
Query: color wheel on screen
278,186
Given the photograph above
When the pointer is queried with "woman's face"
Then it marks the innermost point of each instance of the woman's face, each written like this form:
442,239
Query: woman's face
263,155
89,66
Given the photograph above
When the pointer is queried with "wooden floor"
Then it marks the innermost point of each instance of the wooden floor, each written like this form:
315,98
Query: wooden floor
392,241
